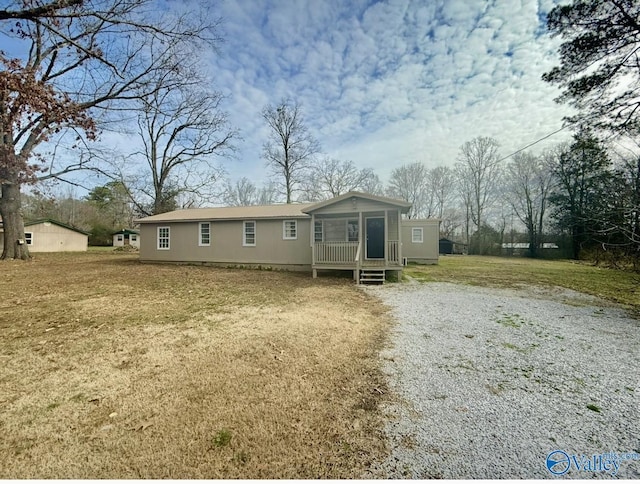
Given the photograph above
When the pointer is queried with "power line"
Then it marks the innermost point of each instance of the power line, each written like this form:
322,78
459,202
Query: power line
537,141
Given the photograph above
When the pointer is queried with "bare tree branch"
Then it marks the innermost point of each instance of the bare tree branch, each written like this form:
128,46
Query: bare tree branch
290,147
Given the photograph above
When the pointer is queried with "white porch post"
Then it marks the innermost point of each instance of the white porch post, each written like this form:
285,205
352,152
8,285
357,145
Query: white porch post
399,237
312,236
361,236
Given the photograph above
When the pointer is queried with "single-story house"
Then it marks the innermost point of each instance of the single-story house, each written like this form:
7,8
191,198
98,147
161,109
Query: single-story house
52,236
356,231
126,237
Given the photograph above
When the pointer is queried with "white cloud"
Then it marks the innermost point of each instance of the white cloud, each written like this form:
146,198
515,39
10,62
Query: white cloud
392,82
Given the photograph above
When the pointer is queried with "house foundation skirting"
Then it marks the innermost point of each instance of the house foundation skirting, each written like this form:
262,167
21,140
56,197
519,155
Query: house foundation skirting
265,266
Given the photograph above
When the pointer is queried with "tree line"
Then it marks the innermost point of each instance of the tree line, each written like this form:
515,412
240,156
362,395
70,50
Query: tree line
85,69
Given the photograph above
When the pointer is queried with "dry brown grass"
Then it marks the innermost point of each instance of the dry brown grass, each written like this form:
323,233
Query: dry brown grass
617,286
114,369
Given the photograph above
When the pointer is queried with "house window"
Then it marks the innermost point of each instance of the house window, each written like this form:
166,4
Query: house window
133,238
163,238
204,234
290,229
249,235
28,238
352,230
317,231
119,237
416,235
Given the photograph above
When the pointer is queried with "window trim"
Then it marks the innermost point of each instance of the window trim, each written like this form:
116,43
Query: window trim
284,229
28,238
119,238
413,238
200,242
244,233
168,238
133,238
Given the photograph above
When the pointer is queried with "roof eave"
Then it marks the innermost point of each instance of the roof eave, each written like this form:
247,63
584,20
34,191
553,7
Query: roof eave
303,216
403,205
55,222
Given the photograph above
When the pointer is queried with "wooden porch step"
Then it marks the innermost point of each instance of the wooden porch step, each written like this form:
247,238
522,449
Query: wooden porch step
372,276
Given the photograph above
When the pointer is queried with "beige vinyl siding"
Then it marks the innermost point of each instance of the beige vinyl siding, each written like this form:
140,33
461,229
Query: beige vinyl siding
392,221
425,251
49,237
226,244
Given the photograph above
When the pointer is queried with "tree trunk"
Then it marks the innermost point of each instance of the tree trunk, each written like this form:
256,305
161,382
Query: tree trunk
576,243
533,241
289,189
15,246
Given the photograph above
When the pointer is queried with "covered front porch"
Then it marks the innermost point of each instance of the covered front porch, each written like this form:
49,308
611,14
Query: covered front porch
359,234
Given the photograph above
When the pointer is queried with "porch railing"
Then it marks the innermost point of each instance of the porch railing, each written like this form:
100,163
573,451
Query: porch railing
349,253
393,251
336,252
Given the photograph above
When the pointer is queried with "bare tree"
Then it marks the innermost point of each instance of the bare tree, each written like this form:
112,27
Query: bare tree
479,171
268,194
441,184
409,183
528,181
290,147
33,12
465,194
450,222
241,193
182,129
244,192
331,178
372,184
77,59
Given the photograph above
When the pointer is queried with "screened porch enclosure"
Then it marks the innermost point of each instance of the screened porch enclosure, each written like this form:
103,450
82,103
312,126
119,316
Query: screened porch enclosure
357,240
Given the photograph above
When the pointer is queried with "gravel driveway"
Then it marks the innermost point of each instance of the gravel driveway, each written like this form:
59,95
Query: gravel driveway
491,381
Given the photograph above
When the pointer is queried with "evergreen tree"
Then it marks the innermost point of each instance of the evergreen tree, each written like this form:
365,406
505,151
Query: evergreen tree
581,193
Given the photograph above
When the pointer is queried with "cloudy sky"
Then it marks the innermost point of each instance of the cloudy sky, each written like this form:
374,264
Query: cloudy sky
391,82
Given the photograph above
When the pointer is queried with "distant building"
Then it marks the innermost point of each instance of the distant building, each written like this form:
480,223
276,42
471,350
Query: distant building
447,246
51,236
126,237
518,248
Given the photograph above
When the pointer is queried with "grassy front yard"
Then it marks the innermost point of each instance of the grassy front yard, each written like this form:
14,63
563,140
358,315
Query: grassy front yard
613,285
114,369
